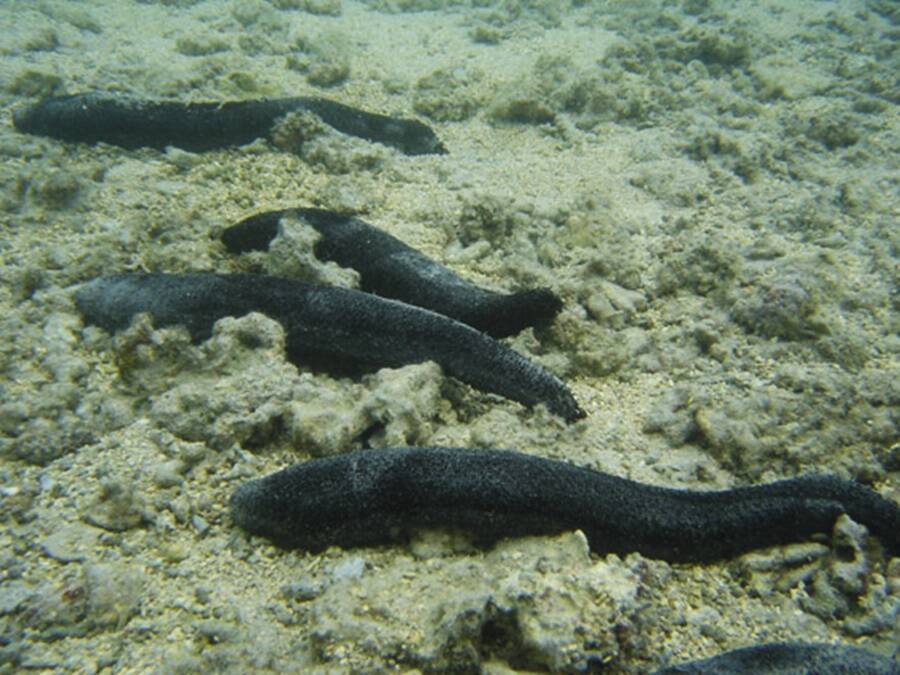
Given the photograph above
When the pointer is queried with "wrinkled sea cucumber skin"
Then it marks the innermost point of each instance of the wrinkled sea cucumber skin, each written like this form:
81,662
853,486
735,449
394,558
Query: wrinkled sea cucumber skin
334,324
789,658
372,497
130,123
390,268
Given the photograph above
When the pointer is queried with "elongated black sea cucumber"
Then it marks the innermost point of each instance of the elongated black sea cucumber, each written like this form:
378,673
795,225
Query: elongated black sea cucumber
372,497
130,122
390,268
789,658
322,322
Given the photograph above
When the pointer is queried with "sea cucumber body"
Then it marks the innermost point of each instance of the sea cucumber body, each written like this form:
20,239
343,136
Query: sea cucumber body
376,496
789,658
390,268
129,122
321,322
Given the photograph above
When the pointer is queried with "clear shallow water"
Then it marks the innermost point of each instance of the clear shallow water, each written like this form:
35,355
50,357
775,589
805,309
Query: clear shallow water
711,189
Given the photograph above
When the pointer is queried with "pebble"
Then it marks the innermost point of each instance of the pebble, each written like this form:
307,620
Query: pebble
201,525
13,595
623,299
301,591
351,568
168,474
217,632
70,543
118,507
114,592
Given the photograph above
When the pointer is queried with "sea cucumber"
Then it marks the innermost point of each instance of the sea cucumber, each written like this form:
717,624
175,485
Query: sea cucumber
789,658
130,122
326,324
390,268
372,497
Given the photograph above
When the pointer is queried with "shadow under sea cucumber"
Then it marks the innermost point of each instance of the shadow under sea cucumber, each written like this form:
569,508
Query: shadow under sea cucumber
789,658
327,324
390,268
373,497
130,122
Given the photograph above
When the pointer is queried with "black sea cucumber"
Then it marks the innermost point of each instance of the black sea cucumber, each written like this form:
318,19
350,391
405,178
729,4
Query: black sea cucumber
133,123
373,496
789,658
334,324
390,268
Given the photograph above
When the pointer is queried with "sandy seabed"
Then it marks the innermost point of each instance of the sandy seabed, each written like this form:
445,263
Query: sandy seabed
711,187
